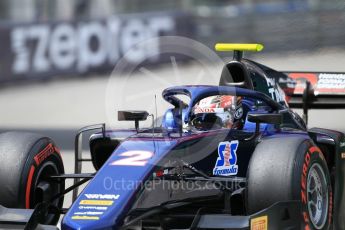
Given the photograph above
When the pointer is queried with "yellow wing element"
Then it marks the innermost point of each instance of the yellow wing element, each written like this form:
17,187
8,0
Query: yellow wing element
238,47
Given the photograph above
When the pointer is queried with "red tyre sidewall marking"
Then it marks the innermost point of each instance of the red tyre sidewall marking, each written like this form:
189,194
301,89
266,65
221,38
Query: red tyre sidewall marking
39,158
306,163
45,153
28,187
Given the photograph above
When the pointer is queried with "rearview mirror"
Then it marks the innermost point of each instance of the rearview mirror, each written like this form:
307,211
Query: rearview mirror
132,115
268,118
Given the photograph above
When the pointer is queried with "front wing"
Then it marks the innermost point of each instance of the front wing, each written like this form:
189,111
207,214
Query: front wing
282,215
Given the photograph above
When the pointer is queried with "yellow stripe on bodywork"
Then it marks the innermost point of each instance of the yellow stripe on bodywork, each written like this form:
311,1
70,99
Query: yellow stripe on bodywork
238,47
96,202
85,218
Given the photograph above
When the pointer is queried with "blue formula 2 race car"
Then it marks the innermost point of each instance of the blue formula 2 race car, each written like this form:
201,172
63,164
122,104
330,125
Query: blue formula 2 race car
233,156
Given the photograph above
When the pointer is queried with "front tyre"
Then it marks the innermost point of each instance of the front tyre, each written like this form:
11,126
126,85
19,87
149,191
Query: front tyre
283,169
27,160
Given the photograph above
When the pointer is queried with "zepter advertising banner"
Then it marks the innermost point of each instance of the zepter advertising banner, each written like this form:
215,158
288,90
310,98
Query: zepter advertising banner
41,50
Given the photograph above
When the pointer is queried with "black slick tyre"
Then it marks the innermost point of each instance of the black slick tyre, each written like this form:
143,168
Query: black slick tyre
291,168
26,162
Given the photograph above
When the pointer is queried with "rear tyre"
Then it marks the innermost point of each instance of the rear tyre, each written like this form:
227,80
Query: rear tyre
26,162
283,169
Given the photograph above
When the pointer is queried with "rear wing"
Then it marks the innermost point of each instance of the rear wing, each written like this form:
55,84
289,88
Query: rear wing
309,90
318,90
313,90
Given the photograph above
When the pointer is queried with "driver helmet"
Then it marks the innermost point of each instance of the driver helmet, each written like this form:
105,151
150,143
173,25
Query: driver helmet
215,112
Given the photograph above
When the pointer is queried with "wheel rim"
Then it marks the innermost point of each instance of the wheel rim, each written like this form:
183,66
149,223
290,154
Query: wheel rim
317,196
45,189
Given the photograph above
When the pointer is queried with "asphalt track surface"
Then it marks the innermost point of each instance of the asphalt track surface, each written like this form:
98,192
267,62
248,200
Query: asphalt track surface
58,108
